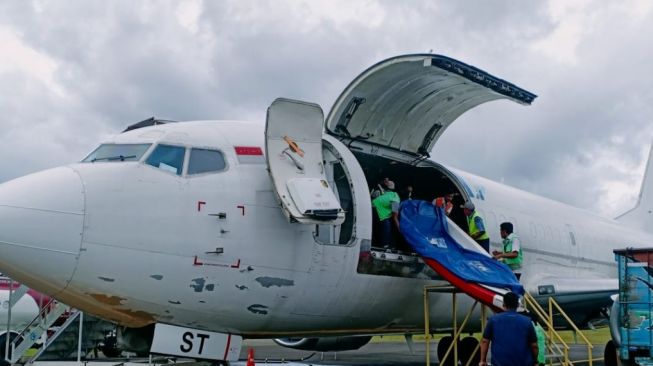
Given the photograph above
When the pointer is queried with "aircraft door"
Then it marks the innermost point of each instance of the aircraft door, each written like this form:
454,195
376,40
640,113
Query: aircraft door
293,146
573,244
326,233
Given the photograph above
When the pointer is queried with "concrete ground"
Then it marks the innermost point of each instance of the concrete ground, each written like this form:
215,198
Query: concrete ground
372,354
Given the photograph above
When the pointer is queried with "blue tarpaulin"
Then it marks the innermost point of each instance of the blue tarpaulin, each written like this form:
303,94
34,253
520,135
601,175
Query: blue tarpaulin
425,228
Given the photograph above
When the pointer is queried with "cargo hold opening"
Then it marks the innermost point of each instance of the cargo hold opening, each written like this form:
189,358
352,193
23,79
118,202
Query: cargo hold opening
429,180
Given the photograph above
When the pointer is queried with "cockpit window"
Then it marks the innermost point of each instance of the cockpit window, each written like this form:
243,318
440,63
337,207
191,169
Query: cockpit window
117,152
167,157
203,161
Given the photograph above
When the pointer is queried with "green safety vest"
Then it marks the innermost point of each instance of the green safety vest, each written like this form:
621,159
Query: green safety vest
514,263
383,204
472,226
541,343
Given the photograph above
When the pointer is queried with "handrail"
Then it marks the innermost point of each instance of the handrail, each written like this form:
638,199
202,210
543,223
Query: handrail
457,329
555,303
537,309
551,346
590,346
42,313
53,337
541,313
555,342
548,320
458,332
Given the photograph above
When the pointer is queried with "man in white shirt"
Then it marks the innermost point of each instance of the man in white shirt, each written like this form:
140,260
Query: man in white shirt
512,253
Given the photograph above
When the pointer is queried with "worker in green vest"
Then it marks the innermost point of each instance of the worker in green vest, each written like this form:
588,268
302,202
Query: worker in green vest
387,208
541,339
511,253
476,226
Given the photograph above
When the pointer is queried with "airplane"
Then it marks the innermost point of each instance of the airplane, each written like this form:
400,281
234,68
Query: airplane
194,235
36,306
23,311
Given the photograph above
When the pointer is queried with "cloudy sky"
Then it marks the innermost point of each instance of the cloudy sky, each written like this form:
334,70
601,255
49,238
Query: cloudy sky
74,72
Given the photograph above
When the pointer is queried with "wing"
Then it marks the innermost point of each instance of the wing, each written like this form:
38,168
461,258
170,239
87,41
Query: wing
583,299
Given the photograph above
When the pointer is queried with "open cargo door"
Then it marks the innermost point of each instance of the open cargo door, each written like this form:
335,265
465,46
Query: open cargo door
293,146
406,102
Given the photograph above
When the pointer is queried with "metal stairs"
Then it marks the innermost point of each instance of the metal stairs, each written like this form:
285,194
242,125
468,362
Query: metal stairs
57,329
67,343
47,317
17,294
556,348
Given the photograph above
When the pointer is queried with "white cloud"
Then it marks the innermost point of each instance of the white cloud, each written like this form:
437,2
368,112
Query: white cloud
188,13
78,70
368,13
18,57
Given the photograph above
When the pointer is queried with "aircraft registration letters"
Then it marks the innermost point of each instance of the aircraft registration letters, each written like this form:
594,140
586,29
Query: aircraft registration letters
193,343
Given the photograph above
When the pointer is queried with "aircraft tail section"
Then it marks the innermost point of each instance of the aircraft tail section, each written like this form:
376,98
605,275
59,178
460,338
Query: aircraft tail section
641,216
465,265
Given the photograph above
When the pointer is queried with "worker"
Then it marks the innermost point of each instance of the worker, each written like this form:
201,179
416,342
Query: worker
511,336
445,202
541,339
476,226
511,253
408,192
380,188
385,204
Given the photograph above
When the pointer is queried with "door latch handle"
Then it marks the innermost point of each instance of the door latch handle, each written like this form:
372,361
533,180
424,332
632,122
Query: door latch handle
218,250
219,215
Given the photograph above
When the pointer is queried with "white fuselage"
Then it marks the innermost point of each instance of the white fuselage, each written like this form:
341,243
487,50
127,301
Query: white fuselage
137,244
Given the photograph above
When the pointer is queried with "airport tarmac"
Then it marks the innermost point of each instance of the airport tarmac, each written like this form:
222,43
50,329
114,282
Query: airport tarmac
372,354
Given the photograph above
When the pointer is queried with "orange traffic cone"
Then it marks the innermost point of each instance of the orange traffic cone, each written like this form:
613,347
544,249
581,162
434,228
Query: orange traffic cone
250,357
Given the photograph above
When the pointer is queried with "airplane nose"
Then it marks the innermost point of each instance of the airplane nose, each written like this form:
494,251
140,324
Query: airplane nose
41,227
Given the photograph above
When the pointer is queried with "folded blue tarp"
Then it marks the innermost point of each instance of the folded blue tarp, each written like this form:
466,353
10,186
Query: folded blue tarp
425,228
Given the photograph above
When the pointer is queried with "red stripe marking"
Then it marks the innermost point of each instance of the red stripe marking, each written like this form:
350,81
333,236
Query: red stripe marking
474,290
197,262
226,351
248,150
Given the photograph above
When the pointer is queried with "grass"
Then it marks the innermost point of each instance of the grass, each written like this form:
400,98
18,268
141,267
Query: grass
599,337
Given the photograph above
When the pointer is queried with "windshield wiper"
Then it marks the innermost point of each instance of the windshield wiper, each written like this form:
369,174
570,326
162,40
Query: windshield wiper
112,158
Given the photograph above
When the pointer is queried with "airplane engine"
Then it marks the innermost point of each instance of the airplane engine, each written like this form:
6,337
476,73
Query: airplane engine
324,344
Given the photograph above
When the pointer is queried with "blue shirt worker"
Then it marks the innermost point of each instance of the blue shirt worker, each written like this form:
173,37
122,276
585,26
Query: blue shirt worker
511,337
511,253
476,225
